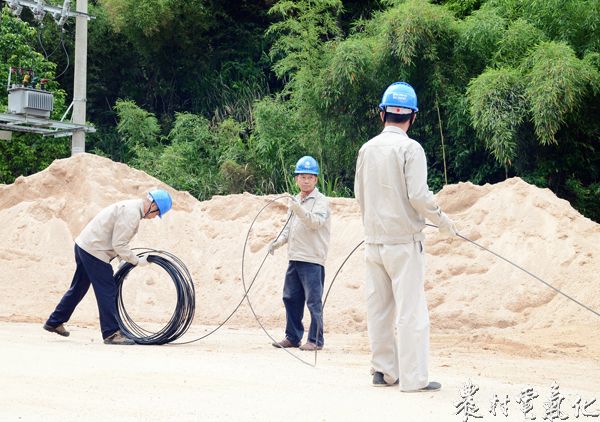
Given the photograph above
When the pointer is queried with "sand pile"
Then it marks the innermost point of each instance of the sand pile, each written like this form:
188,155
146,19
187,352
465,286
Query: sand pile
472,294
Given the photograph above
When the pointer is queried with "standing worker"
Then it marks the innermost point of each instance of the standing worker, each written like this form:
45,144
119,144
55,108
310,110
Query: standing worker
104,238
307,235
391,188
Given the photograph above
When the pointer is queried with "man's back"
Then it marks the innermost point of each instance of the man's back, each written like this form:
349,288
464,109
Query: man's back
109,232
390,172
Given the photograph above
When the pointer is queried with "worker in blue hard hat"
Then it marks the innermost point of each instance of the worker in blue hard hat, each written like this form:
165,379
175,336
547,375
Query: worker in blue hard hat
307,236
105,237
391,188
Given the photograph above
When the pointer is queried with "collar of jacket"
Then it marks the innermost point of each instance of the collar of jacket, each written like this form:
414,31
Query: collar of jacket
313,195
141,208
394,129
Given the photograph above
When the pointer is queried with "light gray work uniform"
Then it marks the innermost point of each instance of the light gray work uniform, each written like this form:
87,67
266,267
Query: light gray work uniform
109,233
105,237
307,234
391,188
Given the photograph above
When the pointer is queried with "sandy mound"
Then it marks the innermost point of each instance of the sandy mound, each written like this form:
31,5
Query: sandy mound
472,294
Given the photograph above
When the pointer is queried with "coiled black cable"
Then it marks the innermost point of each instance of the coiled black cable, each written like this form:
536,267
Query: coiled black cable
182,316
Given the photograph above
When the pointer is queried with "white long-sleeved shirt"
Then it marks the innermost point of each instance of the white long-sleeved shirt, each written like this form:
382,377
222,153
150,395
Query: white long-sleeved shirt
308,231
110,231
391,188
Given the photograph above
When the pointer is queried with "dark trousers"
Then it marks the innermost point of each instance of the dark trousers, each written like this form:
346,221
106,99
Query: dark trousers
100,274
304,282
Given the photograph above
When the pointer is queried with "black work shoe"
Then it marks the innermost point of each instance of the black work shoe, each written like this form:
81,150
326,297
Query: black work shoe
285,343
118,338
429,388
379,381
59,329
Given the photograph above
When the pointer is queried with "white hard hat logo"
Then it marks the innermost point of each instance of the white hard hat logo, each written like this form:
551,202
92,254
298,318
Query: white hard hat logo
399,96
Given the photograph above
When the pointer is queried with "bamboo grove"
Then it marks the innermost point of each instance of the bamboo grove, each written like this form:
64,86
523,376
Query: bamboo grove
218,97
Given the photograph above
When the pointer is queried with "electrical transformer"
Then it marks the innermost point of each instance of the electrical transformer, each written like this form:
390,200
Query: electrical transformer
30,102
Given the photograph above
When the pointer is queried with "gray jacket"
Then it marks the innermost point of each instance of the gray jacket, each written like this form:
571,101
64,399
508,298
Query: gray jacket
307,232
110,231
391,188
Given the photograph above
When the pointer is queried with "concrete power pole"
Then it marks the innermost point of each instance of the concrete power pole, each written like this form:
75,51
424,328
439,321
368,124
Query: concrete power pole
80,77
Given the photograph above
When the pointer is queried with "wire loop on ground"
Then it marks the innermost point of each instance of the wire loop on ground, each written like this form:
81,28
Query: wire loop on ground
182,316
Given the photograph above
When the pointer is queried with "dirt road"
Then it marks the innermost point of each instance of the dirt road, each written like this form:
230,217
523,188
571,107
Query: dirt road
235,375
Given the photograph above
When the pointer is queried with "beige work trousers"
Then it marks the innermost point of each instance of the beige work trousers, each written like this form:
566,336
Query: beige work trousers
397,315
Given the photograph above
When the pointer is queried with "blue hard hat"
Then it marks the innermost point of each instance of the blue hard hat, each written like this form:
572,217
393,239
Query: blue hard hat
307,165
400,97
162,199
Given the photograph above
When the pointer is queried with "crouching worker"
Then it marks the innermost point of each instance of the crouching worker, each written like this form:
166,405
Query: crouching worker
307,236
105,237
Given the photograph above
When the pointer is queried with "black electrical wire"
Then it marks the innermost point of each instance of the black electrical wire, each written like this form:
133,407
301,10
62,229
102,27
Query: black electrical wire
355,249
184,311
246,291
525,271
339,269
493,253
46,55
314,364
183,314
62,42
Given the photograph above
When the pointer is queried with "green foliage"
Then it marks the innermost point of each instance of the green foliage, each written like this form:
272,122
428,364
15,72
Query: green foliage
274,143
224,97
16,50
143,21
584,198
558,83
481,35
305,26
497,104
201,56
195,156
412,32
462,8
136,126
337,87
576,22
237,178
25,154
519,38
188,163
333,188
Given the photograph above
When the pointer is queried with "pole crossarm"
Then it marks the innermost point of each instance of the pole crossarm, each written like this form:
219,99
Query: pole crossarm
29,124
53,10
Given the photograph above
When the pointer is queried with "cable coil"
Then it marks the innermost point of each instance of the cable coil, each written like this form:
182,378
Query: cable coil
184,311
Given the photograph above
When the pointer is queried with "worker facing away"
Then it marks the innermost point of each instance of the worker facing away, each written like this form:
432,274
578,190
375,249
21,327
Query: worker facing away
307,236
105,237
391,188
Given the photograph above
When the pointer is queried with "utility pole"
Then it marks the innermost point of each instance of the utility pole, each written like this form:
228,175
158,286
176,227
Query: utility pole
80,77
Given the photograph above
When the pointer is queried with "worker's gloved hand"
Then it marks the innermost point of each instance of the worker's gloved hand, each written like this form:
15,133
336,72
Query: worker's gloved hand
447,227
294,205
274,245
143,261
120,264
